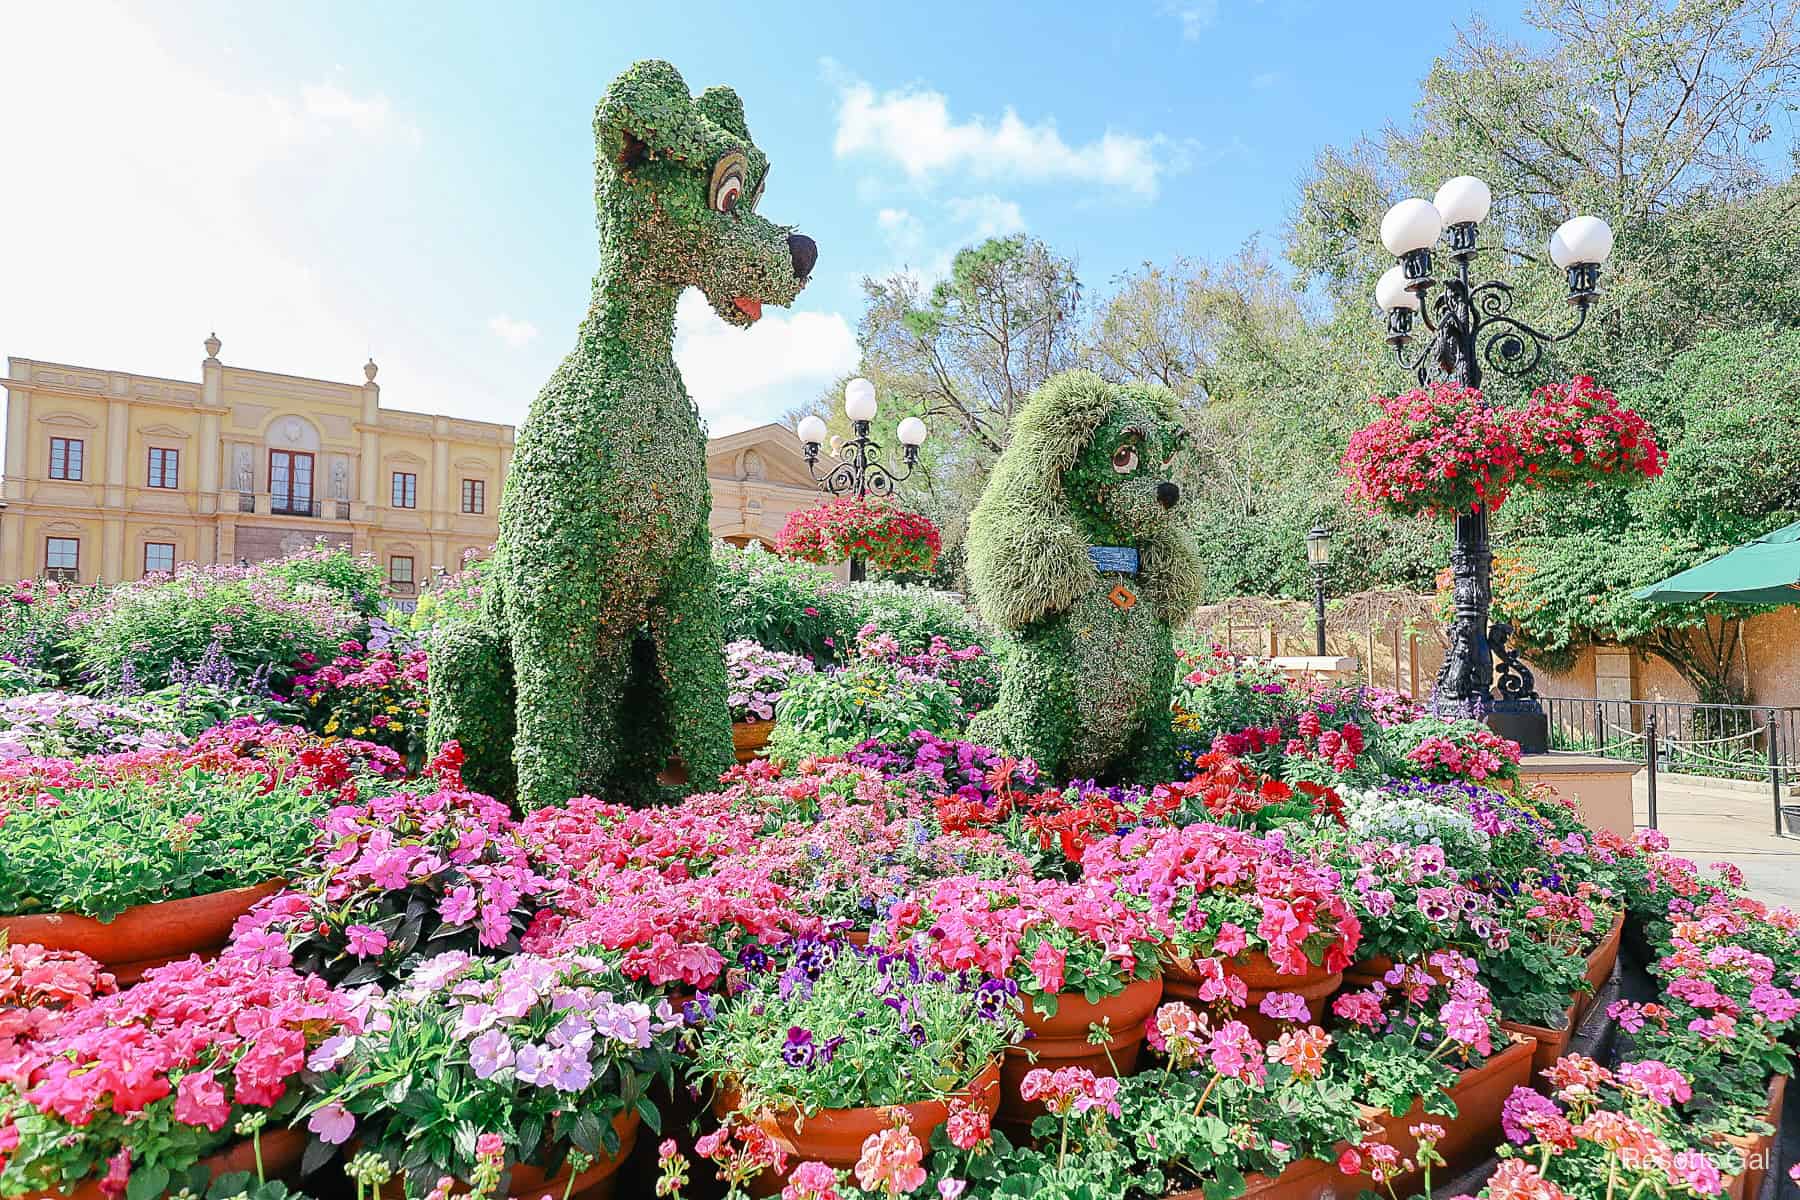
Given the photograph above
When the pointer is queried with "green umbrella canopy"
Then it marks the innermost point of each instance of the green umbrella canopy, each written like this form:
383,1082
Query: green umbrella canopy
1766,571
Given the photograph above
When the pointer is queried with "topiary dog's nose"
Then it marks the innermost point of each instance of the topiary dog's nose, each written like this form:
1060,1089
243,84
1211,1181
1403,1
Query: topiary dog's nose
805,252
1167,494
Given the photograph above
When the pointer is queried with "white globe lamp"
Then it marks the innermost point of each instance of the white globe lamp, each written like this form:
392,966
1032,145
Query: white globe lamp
1409,230
859,400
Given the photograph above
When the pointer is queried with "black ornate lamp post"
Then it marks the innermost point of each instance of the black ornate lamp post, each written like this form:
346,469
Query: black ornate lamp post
1318,557
859,469
1472,328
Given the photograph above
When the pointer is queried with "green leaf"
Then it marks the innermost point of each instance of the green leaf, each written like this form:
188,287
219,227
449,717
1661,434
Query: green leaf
316,1155
147,1182
585,1133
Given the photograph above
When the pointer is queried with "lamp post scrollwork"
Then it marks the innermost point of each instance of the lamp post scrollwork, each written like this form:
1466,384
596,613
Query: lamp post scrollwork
860,468
1473,329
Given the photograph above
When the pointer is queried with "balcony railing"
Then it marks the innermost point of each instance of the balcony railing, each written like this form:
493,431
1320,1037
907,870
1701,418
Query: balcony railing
293,506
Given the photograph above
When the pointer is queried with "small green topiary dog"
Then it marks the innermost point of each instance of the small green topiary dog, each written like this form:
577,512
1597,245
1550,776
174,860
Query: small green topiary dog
601,635
1079,549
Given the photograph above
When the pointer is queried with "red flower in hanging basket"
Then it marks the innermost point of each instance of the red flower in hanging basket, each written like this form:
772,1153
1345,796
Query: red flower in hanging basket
1433,450
1576,432
1441,449
888,537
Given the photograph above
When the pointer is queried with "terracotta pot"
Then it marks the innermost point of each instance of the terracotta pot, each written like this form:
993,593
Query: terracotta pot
1600,966
1261,978
147,935
835,1135
1479,1094
598,1182
1552,1044
281,1150
1062,1041
1759,1149
749,737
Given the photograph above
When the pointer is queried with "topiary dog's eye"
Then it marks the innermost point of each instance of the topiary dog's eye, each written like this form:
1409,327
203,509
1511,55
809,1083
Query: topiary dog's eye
1125,459
728,180
756,196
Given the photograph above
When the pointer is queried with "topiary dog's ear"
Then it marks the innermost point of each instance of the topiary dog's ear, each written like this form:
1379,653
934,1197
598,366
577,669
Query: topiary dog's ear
721,106
648,108
1026,558
1170,573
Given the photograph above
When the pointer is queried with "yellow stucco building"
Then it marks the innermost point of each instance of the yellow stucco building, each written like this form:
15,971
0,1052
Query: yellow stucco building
112,475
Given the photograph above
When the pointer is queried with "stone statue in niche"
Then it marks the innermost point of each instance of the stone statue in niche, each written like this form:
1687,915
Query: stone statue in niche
241,470
340,480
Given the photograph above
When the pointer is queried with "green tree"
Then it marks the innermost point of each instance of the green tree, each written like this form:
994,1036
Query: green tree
1728,413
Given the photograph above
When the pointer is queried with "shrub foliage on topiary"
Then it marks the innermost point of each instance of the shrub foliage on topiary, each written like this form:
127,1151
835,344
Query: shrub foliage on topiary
1087,683
602,587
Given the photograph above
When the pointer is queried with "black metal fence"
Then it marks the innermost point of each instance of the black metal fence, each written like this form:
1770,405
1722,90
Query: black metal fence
1732,741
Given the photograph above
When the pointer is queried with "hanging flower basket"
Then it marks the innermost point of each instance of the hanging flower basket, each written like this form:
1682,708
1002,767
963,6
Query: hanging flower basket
1443,449
1576,433
1433,450
877,531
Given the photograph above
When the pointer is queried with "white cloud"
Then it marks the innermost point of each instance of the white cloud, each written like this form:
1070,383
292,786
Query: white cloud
986,216
913,128
1196,17
166,202
371,116
513,332
903,231
964,220
743,377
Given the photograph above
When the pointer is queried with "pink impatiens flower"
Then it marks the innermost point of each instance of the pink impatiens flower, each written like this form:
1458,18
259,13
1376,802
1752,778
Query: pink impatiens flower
365,941
333,1123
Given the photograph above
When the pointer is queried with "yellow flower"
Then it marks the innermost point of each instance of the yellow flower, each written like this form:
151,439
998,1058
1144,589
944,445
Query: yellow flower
331,726
359,731
393,709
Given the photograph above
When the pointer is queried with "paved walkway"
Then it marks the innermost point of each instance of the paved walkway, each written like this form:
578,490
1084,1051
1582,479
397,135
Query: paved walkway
1708,821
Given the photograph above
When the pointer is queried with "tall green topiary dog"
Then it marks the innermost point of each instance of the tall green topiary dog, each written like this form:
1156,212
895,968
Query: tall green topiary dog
601,636
1080,550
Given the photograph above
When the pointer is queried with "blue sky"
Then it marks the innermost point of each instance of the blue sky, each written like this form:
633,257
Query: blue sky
321,182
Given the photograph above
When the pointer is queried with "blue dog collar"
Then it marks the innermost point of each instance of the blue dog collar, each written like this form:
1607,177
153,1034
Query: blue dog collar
1114,560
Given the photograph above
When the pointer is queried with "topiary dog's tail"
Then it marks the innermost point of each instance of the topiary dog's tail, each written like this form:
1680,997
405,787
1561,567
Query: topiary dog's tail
471,695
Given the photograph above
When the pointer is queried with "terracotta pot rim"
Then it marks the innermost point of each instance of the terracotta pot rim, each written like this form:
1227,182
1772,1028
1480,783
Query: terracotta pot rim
144,935
729,1100
534,1183
281,1151
1124,1008
13,921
